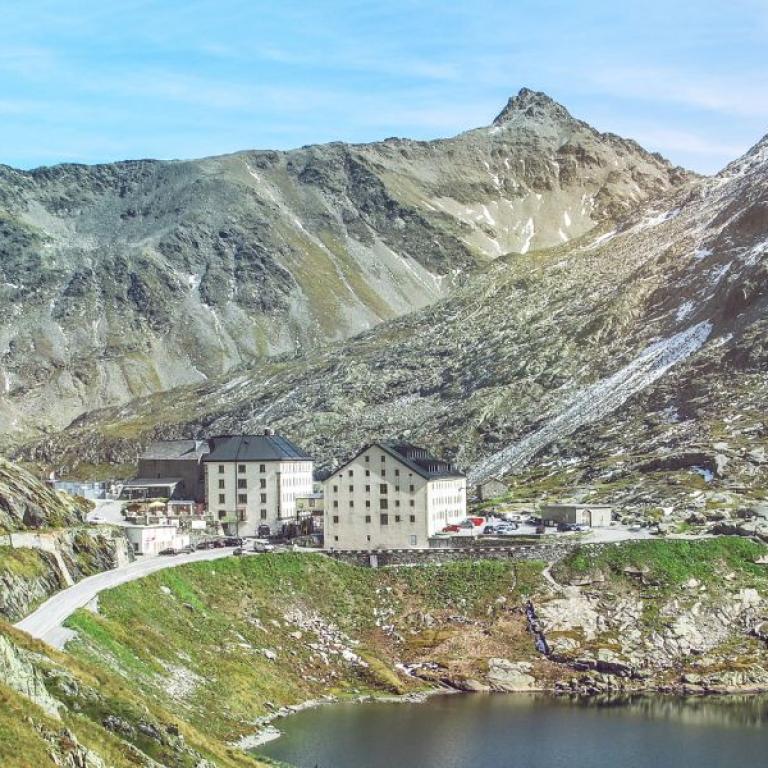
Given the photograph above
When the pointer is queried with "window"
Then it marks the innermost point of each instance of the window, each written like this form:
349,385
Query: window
384,519
397,518
263,498
397,489
335,518
222,514
335,538
351,503
367,458
383,488
413,518
262,468
221,469
397,473
242,483
351,473
263,483
368,537
383,457
383,472
368,504
367,518
412,540
351,488
242,498
335,488
367,488
336,504
263,514
241,468
221,498
221,485
383,504
411,488
412,503
397,502
367,472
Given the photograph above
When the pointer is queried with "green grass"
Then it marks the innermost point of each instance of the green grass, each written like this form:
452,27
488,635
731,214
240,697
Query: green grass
671,563
22,562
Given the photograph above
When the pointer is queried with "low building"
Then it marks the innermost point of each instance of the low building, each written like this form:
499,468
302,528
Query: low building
254,480
593,515
147,488
310,505
181,460
152,539
391,496
490,489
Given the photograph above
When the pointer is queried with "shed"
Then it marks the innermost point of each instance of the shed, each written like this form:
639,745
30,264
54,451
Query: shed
594,515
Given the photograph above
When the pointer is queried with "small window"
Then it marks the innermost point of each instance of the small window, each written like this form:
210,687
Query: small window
397,502
383,457
383,504
412,540
413,518
335,518
367,488
242,483
367,518
262,467
263,514
411,488
241,468
397,489
336,504
351,503
368,504
222,514
367,458
221,498
383,472
221,469
397,473
397,518
263,483
351,473
368,537
263,498
335,538
412,503
351,488
384,519
367,472
242,498
221,485
335,488
383,488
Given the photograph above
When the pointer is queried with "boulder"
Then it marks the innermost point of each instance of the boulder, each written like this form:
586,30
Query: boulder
505,675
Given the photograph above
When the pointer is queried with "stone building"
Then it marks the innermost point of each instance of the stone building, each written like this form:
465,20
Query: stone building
254,480
490,489
594,515
391,496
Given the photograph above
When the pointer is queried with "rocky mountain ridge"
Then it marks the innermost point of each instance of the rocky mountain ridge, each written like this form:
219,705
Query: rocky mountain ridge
135,277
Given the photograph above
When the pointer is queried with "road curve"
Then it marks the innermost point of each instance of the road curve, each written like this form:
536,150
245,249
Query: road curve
47,622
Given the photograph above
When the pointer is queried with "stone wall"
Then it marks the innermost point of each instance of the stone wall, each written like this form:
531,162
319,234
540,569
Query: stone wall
375,558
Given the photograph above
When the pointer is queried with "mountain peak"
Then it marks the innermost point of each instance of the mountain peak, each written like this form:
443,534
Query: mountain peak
531,104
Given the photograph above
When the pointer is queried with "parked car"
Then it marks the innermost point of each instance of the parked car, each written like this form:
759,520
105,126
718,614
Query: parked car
168,551
218,543
506,529
452,528
205,545
564,527
635,527
188,550
233,541
580,527
263,546
489,530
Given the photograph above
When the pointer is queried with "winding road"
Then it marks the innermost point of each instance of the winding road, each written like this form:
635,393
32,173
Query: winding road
47,622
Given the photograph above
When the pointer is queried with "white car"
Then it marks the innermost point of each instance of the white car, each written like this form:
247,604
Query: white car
259,545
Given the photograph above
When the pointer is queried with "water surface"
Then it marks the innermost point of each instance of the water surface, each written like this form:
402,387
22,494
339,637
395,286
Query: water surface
529,731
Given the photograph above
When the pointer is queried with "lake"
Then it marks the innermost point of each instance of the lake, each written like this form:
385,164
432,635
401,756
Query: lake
529,731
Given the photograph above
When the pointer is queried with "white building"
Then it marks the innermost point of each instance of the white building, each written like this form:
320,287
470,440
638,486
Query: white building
392,496
253,480
151,539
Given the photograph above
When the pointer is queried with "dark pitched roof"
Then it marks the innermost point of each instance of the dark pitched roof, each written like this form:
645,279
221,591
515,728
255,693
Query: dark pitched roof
419,460
255,448
176,449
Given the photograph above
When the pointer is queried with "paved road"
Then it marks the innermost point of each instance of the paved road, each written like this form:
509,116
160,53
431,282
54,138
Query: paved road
46,623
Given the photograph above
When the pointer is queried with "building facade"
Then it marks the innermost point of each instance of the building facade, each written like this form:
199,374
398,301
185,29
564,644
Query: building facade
178,464
391,496
593,515
254,480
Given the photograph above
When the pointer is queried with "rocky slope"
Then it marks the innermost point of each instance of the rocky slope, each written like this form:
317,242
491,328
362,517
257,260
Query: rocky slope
135,277
598,366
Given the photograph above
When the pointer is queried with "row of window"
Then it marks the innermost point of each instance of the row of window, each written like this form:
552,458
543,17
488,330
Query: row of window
241,468
241,514
242,483
242,498
383,503
383,488
383,518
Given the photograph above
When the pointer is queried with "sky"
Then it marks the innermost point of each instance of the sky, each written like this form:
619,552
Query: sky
96,81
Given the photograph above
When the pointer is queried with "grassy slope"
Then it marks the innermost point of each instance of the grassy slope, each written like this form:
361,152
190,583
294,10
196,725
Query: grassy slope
212,623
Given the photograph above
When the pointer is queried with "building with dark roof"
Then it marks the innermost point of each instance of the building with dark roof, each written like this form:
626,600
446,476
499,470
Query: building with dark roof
170,469
392,496
253,481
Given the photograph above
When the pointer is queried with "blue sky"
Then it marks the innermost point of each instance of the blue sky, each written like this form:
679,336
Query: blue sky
85,81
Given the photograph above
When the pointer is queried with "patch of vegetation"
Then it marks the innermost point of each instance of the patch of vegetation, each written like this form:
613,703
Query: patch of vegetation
22,562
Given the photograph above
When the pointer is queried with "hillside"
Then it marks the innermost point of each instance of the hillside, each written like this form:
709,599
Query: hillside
176,666
635,348
136,277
